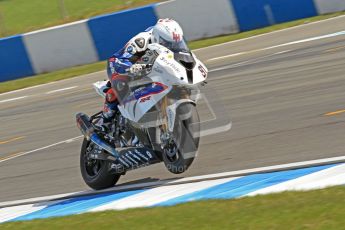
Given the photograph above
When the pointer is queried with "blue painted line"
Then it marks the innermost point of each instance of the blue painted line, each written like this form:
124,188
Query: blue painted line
76,205
231,189
244,185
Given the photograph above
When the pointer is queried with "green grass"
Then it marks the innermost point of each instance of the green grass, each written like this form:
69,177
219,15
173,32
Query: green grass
18,16
79,70
50,77
319,209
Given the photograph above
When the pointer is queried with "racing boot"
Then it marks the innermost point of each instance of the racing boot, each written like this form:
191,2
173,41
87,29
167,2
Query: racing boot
109,110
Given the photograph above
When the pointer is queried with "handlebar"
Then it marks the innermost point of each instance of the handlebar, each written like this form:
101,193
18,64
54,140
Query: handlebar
147,66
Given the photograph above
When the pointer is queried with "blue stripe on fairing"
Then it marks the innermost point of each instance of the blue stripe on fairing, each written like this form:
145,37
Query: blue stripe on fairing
76,205
244,185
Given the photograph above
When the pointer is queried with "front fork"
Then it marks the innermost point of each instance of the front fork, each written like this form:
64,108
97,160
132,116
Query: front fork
165,134
168,116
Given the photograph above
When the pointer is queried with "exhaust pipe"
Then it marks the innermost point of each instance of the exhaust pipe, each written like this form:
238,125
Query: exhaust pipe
87,129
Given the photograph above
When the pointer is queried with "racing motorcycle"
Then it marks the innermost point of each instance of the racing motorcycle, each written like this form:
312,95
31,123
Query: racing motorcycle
157,120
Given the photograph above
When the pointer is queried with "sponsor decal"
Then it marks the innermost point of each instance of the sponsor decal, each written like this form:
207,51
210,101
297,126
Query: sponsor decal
176,37
134,156
123,162
124,158
202,71
140,42
170,117
130,49
153,88
149,154
171,64
117,167
131,159
145,99
141,155
110,95
128,55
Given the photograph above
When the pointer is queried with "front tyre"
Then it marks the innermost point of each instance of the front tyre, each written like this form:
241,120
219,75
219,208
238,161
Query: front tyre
179,154
95,172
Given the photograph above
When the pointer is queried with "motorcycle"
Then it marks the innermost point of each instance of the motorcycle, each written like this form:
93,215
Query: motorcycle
157,120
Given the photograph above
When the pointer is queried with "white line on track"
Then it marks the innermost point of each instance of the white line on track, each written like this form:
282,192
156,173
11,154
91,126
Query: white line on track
28,88
204,48
51,83
60,90
39,149
252,61
273,32
281,45
13,99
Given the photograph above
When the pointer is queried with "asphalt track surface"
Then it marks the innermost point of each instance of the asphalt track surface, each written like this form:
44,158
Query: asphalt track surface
276,97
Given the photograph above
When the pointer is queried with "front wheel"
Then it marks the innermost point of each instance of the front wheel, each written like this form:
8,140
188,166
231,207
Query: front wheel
180,153
95,172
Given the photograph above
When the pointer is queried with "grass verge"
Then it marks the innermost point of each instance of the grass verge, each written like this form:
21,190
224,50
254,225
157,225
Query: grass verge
79,70
319,209
232,37
18,16
50,77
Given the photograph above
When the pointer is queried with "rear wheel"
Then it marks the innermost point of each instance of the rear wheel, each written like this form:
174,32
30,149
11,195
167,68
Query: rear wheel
95,172
180,153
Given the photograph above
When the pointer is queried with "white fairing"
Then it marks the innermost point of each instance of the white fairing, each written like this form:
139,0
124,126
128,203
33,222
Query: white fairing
200,71
100,86
165,73
171,112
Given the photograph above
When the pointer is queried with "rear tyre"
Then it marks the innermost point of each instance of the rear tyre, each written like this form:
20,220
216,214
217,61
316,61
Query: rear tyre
180,154
95,172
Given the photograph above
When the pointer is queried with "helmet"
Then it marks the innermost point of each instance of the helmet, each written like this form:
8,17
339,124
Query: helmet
169,34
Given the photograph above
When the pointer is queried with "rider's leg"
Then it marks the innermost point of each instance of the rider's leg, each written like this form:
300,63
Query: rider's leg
110,105
111,100
109,110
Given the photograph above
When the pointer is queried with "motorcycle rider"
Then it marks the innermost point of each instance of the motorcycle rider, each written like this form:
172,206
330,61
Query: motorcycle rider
166,32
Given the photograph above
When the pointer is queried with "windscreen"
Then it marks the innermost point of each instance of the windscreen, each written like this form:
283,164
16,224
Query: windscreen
180,46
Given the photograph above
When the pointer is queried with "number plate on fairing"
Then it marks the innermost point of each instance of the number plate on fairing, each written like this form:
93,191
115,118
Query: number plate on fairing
141,100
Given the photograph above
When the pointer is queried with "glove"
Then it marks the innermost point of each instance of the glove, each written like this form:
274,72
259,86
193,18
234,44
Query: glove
136,68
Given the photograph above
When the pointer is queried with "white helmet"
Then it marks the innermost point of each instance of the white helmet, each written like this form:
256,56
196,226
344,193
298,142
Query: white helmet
169,34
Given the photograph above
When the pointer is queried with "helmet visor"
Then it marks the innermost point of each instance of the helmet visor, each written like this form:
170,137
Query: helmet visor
175,46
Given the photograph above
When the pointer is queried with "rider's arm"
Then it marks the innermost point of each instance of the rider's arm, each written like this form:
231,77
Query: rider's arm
119,62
